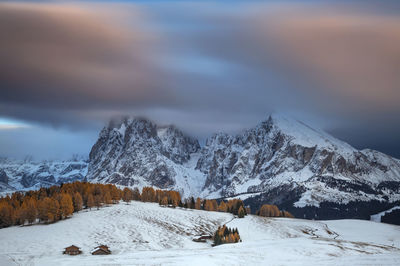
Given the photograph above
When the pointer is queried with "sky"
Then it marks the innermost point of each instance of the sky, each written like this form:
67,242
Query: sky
67,67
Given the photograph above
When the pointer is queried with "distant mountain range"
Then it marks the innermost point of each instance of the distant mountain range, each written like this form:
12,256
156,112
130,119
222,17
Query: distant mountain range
281,161
29,175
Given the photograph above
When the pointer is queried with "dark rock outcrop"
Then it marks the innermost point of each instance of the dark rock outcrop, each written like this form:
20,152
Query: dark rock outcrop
3,177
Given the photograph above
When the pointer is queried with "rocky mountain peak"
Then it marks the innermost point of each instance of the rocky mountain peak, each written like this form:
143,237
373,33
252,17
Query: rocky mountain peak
136,150
278,153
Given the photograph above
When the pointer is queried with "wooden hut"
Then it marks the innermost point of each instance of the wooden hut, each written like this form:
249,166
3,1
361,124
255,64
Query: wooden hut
101,250
202,238
72,250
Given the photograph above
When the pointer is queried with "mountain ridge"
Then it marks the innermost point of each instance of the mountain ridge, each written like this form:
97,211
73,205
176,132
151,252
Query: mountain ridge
278,151
280,160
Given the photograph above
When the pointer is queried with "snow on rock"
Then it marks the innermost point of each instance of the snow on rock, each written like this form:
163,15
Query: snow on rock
280,155
28,174
283,152
145,155
147,234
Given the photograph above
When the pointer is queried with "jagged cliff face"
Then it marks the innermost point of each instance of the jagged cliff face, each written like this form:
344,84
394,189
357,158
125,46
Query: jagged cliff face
281,152
135,152
27,175
281,156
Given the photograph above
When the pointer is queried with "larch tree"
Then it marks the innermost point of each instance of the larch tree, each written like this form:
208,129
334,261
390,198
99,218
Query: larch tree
66,205
43,209
222,207
241,212
208,206
78,202
54,210
197,205
98,199
32,210
115,194
90,202
214,204
28,210
267,210
135,194
127,195
164,201
107,198
148,194
7,215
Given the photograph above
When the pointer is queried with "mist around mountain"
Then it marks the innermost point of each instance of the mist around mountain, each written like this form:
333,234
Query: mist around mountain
280,161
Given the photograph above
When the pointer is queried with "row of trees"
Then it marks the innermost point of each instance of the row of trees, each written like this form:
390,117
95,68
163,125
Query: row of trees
59,202
267,210
234,206
167,197
51,204
226,235
54,203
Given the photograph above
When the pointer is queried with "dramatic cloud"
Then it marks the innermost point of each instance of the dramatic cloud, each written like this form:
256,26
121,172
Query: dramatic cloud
205,66
62,57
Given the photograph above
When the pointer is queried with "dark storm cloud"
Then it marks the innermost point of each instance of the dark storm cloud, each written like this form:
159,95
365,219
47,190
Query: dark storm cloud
67,57
205,66
320,53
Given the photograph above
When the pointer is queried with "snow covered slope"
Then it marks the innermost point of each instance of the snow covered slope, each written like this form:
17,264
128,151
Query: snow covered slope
27,175
281,161
138,153
285,152
147,234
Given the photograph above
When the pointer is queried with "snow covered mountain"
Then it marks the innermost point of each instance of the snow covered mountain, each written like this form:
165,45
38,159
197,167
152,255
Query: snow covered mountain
137,153
281,161
27,175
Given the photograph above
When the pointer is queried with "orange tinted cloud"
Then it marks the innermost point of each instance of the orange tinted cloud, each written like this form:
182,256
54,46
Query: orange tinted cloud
68,55
350,56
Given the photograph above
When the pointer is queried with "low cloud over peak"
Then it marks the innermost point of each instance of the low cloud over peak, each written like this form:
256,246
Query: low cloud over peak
75,65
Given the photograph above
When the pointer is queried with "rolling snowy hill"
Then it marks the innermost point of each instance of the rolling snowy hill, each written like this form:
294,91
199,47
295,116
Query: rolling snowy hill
147,234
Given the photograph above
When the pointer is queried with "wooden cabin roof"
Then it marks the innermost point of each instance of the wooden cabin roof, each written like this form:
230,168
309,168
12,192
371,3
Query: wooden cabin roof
72,247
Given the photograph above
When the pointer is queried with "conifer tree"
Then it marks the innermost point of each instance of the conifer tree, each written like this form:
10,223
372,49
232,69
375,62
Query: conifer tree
98,199
241,212
43,209
107,198
217,238
115,194
126,195
77,200
164,201
54,210
32,210
148,194
7,215
192,203
136,194
197,205
90,202
66,205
